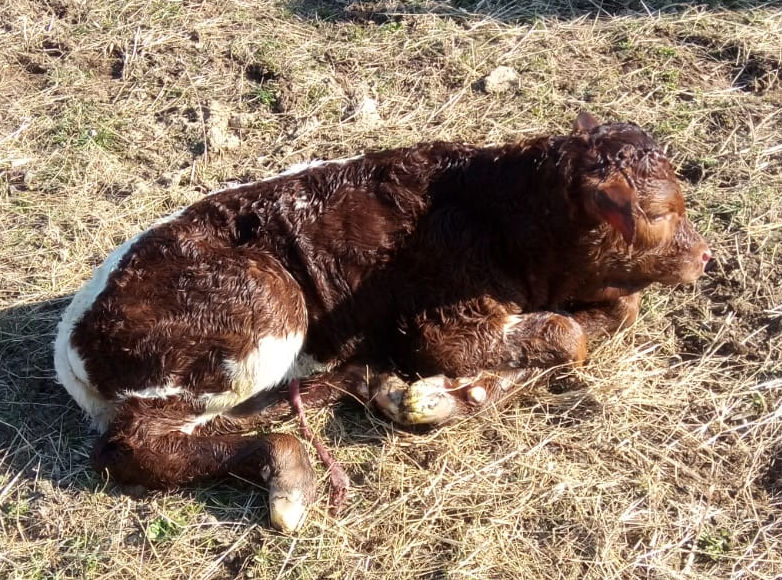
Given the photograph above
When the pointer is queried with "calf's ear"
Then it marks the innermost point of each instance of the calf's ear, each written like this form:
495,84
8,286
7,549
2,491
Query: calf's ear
584,123
613,203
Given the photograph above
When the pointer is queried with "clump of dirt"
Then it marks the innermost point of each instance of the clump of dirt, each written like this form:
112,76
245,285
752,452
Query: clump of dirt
219,135
502,79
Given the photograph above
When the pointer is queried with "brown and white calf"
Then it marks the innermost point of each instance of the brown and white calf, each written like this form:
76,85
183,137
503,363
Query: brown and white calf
445,268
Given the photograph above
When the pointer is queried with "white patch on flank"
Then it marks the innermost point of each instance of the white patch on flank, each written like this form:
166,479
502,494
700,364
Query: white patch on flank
258,372
266,366
67,361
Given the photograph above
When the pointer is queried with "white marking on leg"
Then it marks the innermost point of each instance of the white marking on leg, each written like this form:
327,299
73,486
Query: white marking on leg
163,392
510,321
196,422
270,363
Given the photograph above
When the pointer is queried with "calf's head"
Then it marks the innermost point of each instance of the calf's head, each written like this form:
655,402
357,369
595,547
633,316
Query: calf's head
624,182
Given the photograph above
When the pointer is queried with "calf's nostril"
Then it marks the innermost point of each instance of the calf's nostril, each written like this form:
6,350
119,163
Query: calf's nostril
706,256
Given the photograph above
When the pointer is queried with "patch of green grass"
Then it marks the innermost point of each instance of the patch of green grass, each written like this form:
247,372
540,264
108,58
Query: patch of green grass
356,33
16,509
163,529
672,126
714,543
321,100
85,125
665,51
84,551
37,567
707,162
263,557
392,27
264,95
624,45
164,11
316,92
670,78
100,137
175,514
759,403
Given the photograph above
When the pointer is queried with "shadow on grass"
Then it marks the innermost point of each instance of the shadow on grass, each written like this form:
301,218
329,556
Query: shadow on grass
510,11
42,433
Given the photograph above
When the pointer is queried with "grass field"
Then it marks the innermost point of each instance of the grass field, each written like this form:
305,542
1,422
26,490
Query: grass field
113,114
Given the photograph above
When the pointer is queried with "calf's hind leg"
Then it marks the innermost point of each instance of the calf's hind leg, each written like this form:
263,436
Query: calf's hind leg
148,443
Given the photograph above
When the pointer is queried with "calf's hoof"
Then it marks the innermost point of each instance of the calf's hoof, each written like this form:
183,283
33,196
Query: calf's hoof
287,510
476,395
291,483
427,401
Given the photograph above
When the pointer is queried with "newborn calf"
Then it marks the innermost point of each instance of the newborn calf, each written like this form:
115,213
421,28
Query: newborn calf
462,265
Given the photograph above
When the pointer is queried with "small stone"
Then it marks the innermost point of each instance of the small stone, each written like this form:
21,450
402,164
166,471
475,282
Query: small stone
220,139
169,178
141,188
501,80
241,121
219,136
367,113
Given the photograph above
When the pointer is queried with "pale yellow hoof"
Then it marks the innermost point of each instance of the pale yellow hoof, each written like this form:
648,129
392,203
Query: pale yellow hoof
287,510
424,402
477,394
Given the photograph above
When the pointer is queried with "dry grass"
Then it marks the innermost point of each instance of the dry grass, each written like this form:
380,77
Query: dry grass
114,113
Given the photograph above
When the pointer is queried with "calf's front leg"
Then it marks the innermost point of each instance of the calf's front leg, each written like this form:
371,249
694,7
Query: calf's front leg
471,361
499,341
602,319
